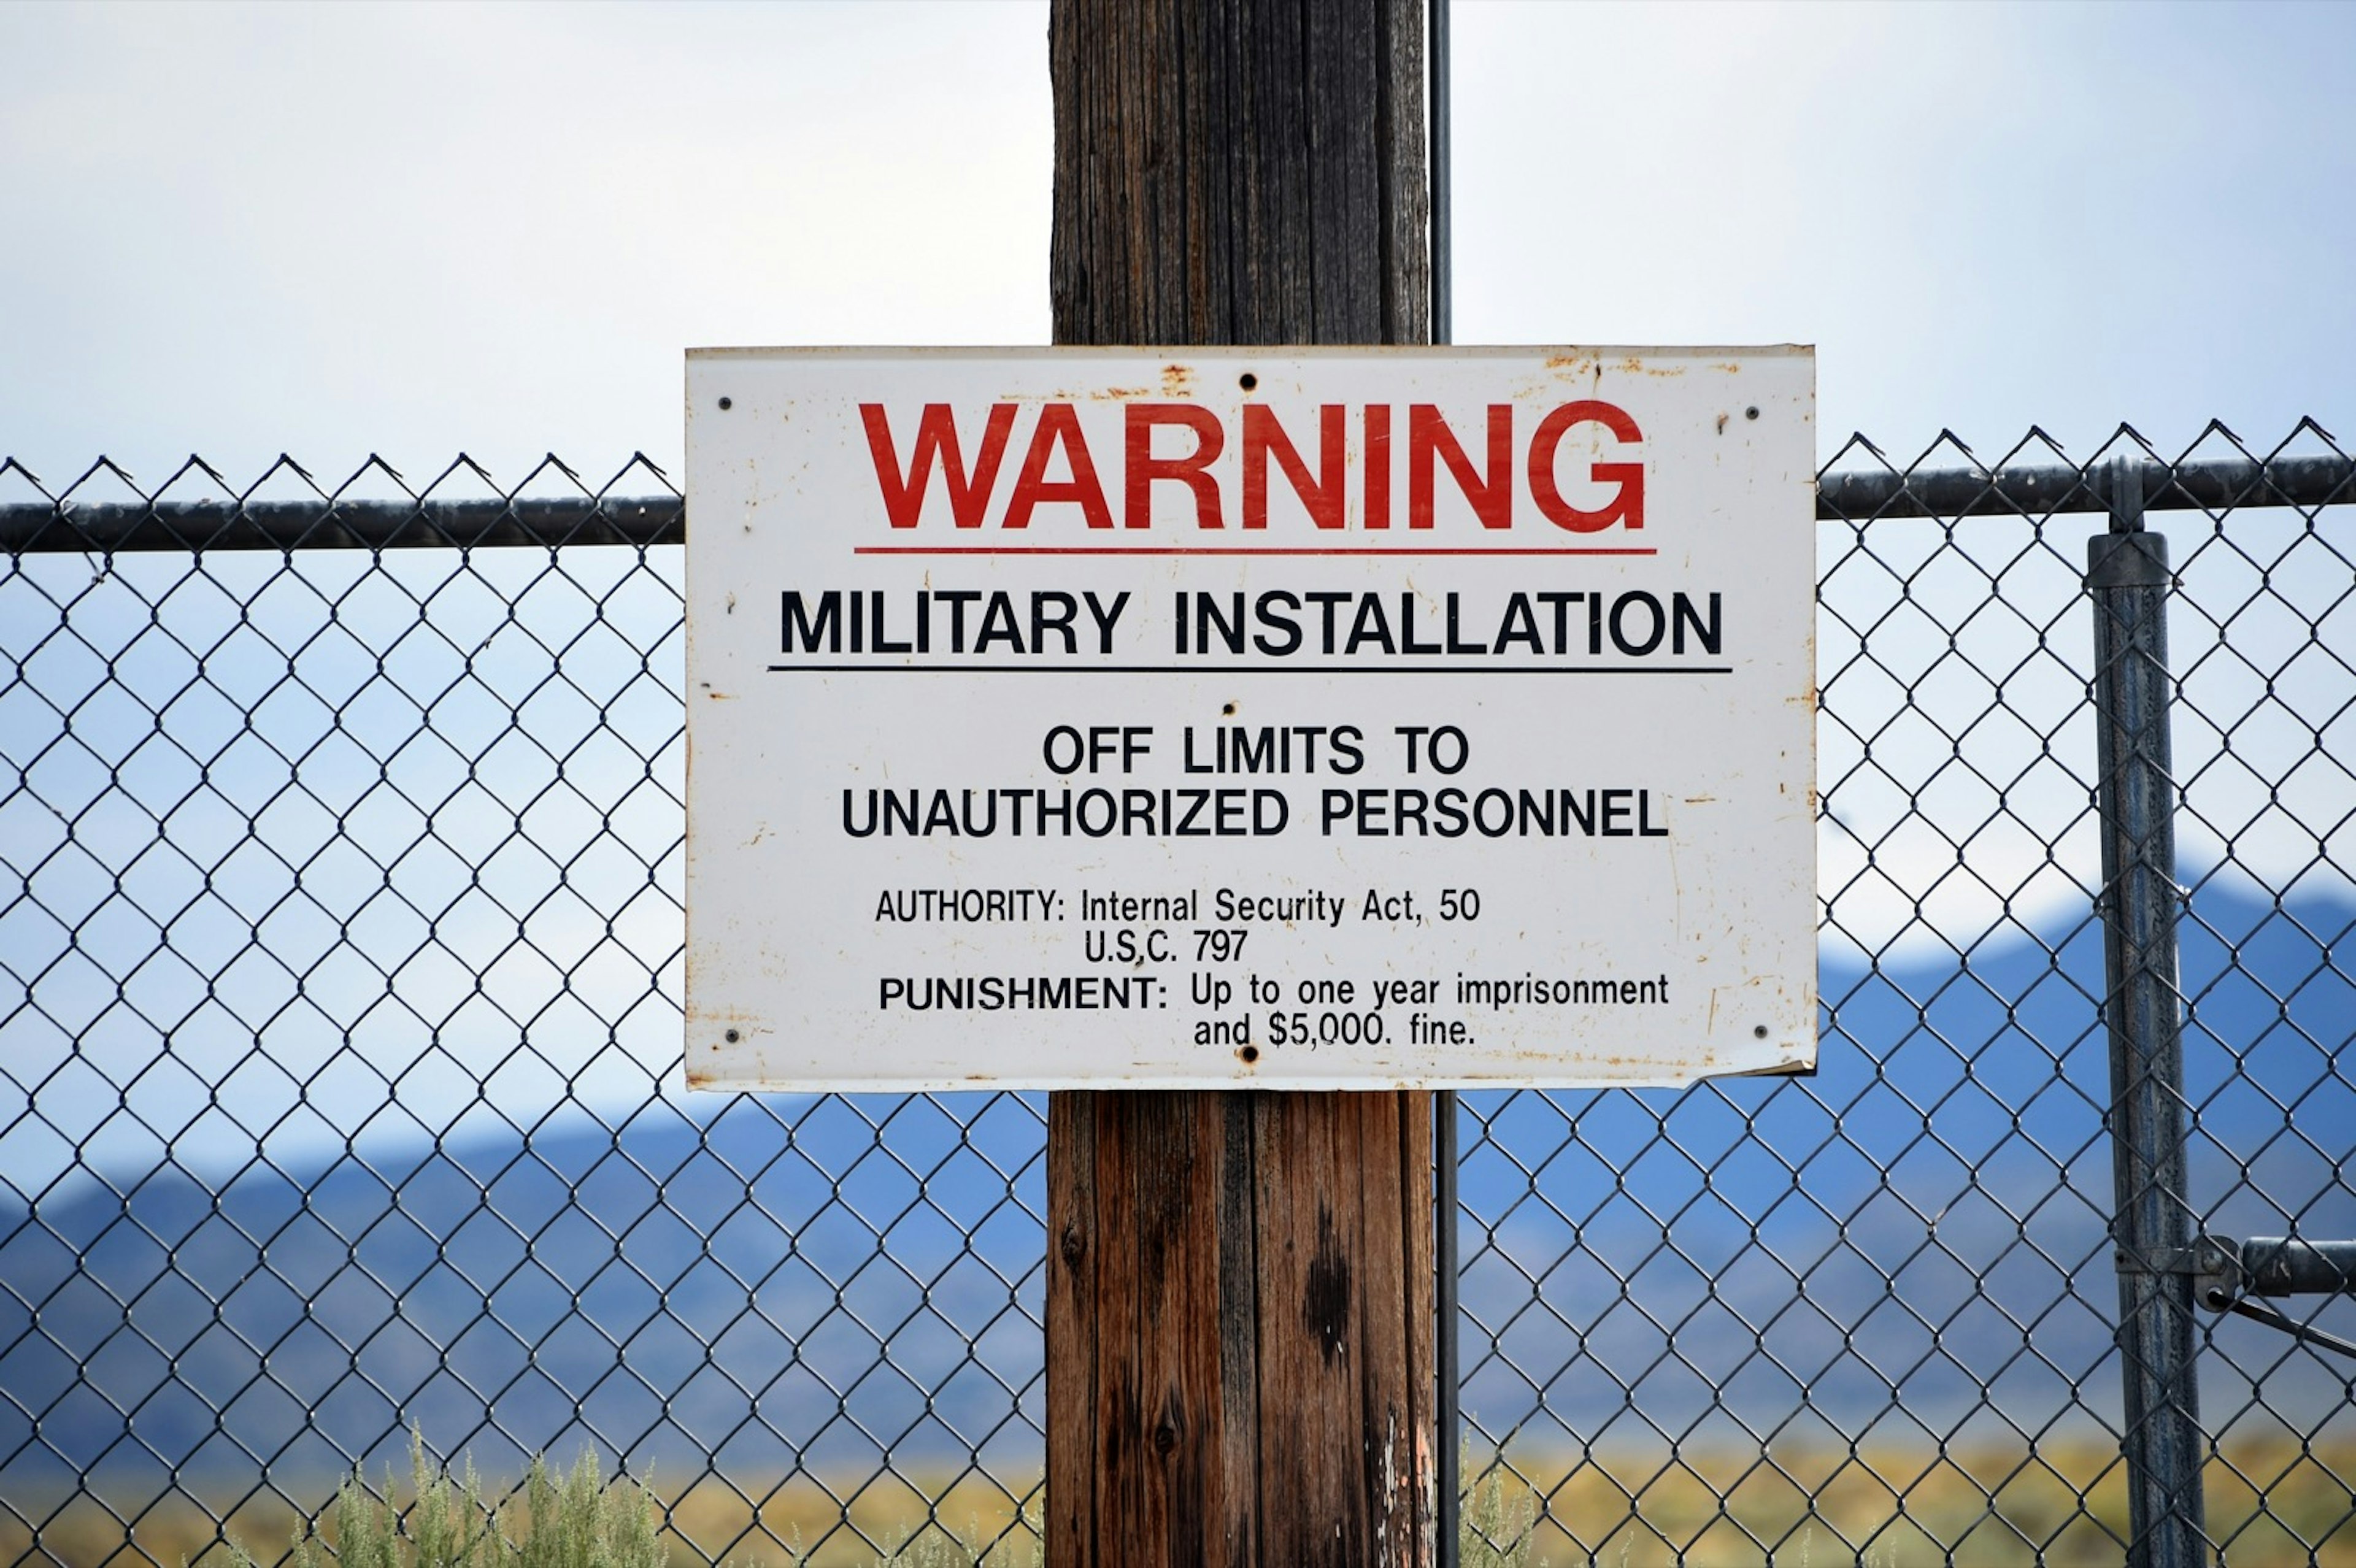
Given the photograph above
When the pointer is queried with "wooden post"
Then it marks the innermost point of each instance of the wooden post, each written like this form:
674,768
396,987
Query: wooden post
1240,1285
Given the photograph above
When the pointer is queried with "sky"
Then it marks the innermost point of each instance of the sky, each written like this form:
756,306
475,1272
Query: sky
421,230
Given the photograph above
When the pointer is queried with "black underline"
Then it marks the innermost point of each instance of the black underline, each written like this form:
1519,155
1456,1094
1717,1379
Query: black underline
1244,669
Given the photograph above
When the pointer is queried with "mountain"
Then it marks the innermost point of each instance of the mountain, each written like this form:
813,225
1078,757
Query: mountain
1950,1144
704,1276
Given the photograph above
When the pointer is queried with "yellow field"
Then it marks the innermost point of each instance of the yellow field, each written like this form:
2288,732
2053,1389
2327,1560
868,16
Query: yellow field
1893,1507
1882,1507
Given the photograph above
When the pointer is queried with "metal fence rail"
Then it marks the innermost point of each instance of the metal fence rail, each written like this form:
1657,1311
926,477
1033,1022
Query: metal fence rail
339,1088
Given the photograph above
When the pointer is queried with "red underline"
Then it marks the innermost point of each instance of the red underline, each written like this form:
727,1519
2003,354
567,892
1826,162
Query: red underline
1233,549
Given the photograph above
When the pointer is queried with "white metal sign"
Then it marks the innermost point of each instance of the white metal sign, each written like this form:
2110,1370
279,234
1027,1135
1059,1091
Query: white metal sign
1293,718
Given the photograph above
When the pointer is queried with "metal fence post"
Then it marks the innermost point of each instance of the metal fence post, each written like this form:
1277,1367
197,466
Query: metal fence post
1449,1513
2127,578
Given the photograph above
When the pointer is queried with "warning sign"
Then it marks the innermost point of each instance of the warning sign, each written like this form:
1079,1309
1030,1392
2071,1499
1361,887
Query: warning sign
1361,718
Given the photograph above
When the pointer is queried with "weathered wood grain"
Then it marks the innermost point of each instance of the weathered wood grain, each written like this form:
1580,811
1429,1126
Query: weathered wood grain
1241,171
1070,1525
1239,1328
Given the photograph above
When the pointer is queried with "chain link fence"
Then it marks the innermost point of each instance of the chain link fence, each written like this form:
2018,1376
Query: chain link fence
341,861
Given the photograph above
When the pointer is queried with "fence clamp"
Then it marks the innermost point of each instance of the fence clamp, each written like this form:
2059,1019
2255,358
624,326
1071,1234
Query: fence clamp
2128,560
2226,1273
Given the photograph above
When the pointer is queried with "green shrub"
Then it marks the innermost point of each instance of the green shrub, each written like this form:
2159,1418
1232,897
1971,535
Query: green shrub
568,1520
1497,1525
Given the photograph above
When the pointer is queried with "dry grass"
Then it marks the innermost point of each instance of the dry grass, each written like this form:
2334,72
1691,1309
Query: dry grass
796,1523
2062,1506
1882,1508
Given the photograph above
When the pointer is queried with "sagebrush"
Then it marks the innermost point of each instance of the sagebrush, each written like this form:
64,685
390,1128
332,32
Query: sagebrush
568,1520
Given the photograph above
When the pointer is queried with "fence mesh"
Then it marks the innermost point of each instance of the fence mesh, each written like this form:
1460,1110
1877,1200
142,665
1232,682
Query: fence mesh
340,1033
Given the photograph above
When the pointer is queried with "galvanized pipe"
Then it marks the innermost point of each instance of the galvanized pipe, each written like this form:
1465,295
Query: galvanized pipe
2039,492
110,526
1446,1265
1443,260
1448,1369
2127,579
2285,1265
76,526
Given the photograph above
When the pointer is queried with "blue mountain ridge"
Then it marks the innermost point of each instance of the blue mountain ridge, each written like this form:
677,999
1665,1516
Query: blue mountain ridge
1921,1219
